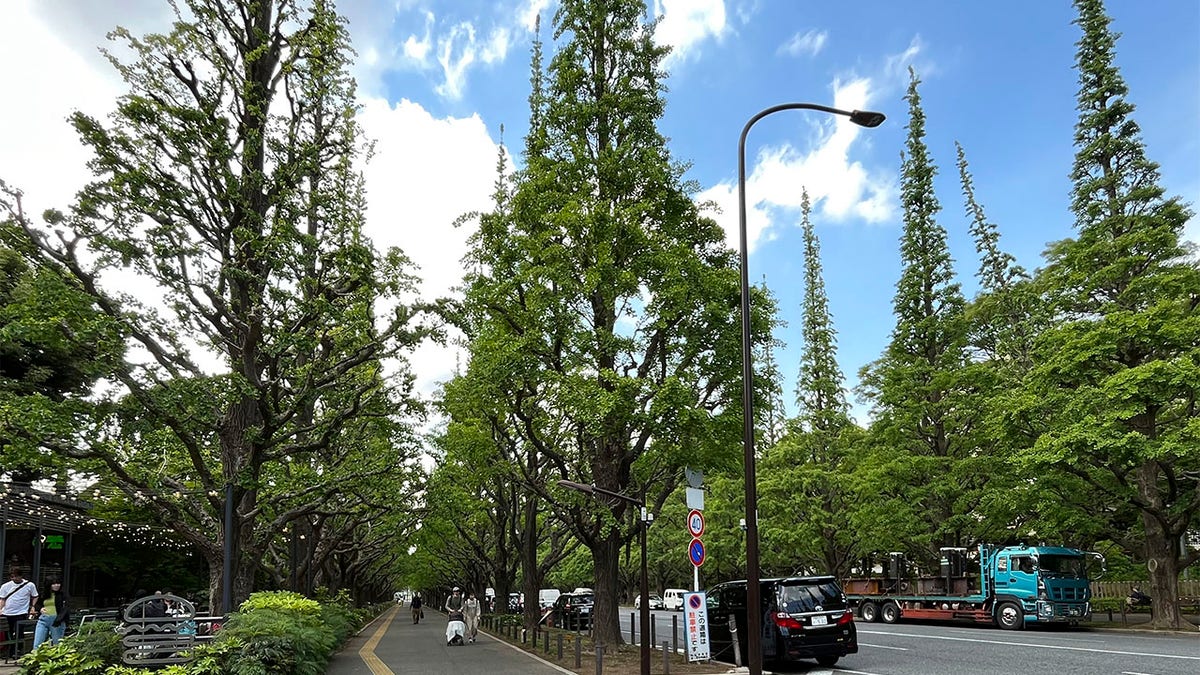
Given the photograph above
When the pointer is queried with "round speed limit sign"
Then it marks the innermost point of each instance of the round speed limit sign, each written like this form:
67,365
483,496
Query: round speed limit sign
695,523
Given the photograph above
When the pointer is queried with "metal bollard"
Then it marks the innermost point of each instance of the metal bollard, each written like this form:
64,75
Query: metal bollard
599,659
666,660
653,623
674,633
632,628
535,634
560,646
578,652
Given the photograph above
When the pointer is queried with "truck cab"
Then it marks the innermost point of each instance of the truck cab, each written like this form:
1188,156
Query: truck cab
1043,584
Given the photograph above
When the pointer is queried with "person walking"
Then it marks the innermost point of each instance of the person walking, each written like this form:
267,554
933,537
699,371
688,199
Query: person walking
416,609
16,598
471,610
54,613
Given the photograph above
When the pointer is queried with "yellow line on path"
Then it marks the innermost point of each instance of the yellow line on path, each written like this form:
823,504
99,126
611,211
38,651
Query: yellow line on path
367,653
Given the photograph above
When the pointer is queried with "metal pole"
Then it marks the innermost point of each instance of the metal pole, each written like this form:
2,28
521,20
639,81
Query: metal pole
753,591
645,603
753,619
227,573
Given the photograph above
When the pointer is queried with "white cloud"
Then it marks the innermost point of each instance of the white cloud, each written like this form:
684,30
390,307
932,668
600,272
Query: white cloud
459,49
896,65
426,172
809,43
686,24
529,14
839,188
417,49
44,81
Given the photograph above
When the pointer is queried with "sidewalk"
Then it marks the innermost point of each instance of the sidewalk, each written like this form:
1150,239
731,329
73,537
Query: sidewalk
392,645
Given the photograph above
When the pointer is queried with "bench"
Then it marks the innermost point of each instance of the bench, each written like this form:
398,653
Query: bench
151,639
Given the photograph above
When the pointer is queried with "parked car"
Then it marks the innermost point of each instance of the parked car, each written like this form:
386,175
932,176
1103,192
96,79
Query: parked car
573,611
673,599
516,603
805,618
655,602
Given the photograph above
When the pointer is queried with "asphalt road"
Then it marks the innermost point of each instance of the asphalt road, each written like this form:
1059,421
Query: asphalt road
928,649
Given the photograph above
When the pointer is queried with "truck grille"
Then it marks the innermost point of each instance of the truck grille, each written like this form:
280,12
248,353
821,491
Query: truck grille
1068,594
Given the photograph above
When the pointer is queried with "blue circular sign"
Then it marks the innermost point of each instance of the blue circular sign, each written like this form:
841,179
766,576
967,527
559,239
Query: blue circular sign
694,601
696,552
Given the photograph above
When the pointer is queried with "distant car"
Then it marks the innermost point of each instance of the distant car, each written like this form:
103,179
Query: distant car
673,599
516,604
573,611
655,602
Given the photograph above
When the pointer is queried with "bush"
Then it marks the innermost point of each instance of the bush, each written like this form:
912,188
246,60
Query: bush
89,651
273,633
279,632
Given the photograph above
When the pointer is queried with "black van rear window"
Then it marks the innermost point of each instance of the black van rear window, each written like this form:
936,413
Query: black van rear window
814,597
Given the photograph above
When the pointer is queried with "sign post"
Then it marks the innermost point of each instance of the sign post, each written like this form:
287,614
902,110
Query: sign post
695,608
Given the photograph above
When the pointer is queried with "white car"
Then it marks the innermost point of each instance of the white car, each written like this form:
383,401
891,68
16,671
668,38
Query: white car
673,599
655,602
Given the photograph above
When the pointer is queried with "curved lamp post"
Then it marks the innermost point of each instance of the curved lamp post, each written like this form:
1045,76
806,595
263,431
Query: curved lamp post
753,590
645,523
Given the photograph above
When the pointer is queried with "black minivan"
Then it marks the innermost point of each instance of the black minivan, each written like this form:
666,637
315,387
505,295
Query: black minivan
802,618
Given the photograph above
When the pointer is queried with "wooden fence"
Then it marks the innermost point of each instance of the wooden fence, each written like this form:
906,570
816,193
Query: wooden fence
1188,588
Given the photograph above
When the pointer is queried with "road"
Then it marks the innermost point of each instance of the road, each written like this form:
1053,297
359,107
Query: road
926,649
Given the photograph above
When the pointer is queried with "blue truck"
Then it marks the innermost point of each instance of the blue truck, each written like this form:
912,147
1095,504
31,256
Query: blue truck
1009,586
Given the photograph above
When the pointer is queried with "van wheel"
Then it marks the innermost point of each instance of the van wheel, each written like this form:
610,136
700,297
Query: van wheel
869,611
1009,616
890,612
827,660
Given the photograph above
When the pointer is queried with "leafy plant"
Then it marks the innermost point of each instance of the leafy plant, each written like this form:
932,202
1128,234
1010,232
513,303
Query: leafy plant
60,659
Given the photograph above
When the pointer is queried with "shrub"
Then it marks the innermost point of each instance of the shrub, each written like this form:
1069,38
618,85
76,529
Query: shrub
279,632
60,659
89,651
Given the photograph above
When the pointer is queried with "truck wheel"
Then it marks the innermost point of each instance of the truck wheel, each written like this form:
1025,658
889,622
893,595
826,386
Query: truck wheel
890,612
1009,616
869,611
828,660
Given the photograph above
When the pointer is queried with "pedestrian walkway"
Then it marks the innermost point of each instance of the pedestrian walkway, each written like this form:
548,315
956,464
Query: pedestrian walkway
393,645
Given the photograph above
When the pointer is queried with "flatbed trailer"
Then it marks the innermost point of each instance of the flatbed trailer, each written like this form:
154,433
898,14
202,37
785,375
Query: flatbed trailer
1014,586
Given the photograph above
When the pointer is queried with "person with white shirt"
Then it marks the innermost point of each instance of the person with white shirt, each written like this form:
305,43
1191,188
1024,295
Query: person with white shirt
18,596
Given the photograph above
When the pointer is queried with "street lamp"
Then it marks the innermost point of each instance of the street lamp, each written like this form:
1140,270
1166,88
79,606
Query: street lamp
753,591
644,605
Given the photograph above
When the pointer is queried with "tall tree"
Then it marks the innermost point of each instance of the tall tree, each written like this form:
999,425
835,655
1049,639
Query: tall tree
810,464
916,386
608,294
227,181
1117,377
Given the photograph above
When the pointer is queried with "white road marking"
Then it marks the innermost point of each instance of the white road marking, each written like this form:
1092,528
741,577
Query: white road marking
844,670
1032,644
864,644
1130,672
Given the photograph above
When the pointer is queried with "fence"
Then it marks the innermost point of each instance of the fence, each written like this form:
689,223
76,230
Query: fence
1188,588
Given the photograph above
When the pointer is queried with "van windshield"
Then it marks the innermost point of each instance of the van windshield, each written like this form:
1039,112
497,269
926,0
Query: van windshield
811,597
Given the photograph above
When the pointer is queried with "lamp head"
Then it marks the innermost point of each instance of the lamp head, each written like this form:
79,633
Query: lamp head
867,118
579,487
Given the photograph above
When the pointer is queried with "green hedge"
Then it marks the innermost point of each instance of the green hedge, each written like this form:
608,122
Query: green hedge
272,633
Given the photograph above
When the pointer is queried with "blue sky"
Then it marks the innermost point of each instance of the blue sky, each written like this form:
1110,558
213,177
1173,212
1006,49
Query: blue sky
439,78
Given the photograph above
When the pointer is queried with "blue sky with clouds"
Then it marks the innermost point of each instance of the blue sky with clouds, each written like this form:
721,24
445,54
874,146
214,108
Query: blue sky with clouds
439,78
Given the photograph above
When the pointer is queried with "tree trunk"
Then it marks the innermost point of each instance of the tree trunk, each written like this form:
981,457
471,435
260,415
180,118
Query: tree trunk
1162,552
531,580
606,554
